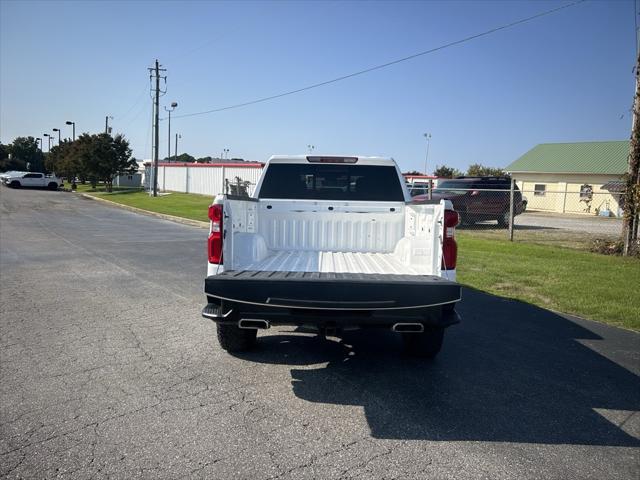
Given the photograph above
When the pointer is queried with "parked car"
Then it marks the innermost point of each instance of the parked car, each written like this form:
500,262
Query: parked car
331,243
478,199
30,179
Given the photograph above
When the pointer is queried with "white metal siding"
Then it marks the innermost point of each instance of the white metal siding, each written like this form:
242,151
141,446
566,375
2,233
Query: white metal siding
201,180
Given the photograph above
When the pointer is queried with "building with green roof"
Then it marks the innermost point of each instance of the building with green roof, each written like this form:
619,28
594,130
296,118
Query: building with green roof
583,177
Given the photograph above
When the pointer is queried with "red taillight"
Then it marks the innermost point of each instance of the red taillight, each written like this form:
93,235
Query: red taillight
215,237
449,246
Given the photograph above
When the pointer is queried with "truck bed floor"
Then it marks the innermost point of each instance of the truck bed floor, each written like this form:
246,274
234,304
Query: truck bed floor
338,262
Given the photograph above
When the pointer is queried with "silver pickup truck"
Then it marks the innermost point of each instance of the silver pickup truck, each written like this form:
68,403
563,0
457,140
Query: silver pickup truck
332,243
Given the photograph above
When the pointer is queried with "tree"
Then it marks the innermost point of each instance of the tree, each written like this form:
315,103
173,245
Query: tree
25,155
103,157
4,157
443,171
63,160
631,196
478,170
183,157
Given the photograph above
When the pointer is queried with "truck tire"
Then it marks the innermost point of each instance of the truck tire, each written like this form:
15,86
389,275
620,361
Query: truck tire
426,344
235,339
503,220
15,184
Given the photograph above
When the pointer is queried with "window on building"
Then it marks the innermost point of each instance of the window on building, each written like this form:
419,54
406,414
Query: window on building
539,189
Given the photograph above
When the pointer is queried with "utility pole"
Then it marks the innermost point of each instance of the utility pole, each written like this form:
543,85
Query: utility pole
155,72
632,190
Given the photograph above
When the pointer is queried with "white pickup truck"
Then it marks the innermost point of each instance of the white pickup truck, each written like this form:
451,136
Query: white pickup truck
332,243
30,179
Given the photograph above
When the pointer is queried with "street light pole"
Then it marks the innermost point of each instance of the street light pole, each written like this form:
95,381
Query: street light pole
74,128
173,107
106,123
57,130
426,158
49,138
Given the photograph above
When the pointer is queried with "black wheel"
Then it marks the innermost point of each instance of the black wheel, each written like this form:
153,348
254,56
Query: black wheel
52,186
235,339
426,344
503,221
15,184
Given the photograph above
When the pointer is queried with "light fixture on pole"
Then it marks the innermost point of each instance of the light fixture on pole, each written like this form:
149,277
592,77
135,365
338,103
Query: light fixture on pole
57,130
74,128
173,107
426,158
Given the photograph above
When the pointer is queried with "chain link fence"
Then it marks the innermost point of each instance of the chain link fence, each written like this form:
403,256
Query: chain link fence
577,216
567,218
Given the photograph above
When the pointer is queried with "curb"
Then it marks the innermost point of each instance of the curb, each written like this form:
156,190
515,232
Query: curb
164,216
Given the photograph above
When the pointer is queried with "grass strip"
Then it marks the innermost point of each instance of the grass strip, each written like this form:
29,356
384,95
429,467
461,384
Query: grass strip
598,287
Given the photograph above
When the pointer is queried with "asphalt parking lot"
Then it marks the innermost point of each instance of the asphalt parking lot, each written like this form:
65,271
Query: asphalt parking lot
107,370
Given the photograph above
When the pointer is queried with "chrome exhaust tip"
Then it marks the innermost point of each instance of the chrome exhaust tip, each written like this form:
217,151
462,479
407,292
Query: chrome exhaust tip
408,327
253,324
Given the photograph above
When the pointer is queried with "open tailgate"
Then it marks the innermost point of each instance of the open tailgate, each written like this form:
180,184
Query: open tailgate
332,291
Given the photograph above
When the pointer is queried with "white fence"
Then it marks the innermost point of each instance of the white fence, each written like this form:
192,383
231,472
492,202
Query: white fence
202,178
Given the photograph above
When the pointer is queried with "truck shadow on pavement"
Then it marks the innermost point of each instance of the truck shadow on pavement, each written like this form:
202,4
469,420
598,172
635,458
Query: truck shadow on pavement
511,372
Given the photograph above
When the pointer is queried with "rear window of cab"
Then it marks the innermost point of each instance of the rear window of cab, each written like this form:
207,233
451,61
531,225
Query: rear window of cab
332,182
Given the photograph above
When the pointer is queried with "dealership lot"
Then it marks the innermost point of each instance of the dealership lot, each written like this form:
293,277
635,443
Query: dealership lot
107,370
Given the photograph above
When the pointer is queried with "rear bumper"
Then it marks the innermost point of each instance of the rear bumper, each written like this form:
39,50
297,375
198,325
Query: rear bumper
230,314
331,299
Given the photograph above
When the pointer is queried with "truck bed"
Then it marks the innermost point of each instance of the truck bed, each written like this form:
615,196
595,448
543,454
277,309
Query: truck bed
340,262
332,291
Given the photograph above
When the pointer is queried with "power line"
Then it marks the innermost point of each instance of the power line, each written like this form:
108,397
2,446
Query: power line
135,104
388,64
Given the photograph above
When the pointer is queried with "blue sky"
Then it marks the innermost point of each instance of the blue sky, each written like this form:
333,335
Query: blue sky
564,77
